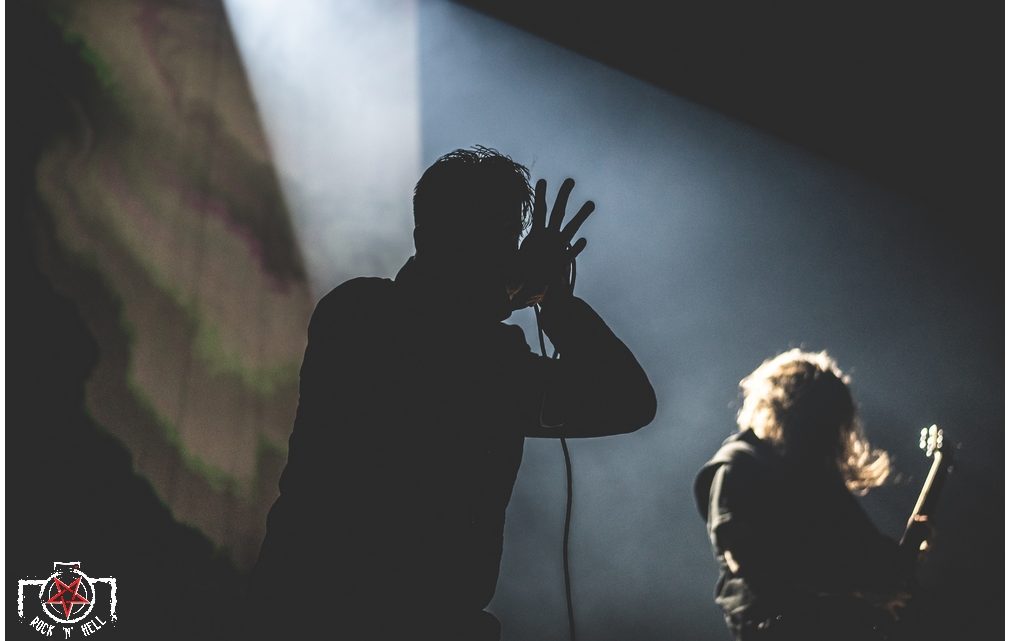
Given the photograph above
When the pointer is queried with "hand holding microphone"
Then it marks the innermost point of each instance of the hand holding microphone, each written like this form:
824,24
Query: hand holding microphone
546,254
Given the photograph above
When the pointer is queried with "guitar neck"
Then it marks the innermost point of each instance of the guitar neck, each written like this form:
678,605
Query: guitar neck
926,504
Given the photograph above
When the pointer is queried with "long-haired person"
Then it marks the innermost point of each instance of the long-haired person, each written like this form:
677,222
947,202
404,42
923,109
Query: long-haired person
798,557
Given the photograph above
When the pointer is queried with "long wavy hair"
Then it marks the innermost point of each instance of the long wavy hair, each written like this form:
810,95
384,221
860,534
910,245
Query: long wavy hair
801,402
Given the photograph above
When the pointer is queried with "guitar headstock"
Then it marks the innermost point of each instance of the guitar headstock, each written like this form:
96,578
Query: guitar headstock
918,530
931,440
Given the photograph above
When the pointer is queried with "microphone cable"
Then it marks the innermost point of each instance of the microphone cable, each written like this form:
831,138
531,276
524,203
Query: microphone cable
568,476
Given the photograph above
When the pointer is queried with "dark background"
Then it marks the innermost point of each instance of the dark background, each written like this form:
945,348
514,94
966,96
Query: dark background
906,95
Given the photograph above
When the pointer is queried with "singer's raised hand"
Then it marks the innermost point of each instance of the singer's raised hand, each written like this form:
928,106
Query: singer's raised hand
547,252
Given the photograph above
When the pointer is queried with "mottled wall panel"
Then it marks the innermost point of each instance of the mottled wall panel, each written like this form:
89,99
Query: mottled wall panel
166,190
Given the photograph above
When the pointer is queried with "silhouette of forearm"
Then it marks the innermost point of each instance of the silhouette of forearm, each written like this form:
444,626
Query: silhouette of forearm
597,387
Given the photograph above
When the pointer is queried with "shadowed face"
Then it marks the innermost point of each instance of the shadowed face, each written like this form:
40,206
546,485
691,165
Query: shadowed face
475,258
469,212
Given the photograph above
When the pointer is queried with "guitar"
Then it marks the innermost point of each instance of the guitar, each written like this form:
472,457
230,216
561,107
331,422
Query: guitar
915,539
916,536
878,624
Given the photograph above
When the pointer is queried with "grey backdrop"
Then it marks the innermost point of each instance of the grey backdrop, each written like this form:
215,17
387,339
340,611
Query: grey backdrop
713,247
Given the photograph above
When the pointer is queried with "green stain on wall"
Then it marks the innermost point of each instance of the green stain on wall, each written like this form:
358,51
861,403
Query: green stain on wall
262,381
102,70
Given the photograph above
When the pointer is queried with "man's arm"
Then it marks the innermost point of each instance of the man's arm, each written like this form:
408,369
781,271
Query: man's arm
596,387
747,541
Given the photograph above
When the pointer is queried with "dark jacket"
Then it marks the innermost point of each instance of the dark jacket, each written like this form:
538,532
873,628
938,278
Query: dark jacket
803,544
406,446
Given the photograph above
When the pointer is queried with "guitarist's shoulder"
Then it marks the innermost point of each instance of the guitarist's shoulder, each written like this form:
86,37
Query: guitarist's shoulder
745,449
748,460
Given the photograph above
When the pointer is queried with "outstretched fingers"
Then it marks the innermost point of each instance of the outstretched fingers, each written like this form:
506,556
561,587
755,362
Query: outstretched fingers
540,204
573,225
575,250
560,203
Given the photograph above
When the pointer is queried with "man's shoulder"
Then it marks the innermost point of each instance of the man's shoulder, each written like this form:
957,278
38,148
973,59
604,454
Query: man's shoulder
749,457
364,289
744,448
357,297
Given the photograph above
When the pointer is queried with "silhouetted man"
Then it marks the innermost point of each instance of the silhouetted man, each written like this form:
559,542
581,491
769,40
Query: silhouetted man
414,402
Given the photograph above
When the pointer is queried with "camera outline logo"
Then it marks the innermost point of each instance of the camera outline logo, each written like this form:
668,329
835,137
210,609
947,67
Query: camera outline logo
67,597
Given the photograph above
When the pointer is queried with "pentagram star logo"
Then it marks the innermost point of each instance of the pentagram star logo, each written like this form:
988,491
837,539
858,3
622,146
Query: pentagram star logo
66,595
67,601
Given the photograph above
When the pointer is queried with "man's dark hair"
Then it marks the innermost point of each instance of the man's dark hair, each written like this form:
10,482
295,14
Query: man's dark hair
462,183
